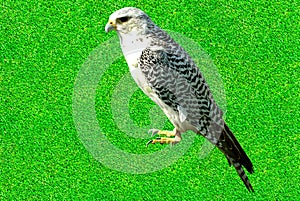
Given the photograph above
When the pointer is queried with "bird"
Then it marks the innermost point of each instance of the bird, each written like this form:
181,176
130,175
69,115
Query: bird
167,74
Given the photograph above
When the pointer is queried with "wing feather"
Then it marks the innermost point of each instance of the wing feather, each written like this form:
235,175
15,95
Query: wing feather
178,83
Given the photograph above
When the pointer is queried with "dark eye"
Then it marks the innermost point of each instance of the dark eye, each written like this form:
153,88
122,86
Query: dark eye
124,19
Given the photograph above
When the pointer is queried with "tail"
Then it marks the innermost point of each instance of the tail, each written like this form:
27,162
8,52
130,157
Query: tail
235,155
243,175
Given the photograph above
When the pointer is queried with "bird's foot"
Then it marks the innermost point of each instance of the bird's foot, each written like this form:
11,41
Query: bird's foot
169,137
162,133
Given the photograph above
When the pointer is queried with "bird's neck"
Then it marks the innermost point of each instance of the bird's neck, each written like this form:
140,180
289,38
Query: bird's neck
133,42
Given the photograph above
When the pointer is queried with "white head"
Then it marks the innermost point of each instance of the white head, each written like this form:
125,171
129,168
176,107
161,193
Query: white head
127,20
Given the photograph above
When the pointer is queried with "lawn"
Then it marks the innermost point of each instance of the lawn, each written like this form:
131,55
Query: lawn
70,131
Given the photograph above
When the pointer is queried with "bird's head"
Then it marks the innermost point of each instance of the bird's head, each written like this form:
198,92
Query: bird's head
127,20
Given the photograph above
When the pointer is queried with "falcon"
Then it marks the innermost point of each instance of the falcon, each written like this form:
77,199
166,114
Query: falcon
166,73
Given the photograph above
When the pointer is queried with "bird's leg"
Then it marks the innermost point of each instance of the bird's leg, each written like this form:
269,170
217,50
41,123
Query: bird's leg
162,132
171,137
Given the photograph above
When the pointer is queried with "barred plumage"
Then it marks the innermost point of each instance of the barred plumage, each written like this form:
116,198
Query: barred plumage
170,77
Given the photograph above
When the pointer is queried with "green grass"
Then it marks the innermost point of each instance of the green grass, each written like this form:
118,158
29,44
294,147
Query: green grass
255,46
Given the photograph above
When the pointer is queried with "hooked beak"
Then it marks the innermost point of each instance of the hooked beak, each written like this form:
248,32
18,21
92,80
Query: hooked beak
110,26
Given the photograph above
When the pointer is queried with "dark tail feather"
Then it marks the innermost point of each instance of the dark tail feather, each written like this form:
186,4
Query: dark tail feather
236,155
243,176
243,158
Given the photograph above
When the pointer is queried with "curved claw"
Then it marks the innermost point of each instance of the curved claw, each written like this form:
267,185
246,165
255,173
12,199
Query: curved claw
149,142
153,131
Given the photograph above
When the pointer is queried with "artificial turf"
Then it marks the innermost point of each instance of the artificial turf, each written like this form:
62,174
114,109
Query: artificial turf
43,46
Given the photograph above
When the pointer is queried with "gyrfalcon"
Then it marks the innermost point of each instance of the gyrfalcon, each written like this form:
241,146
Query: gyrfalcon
168,75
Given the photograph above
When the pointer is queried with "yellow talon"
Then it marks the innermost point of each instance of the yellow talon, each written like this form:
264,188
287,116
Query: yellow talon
166,133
